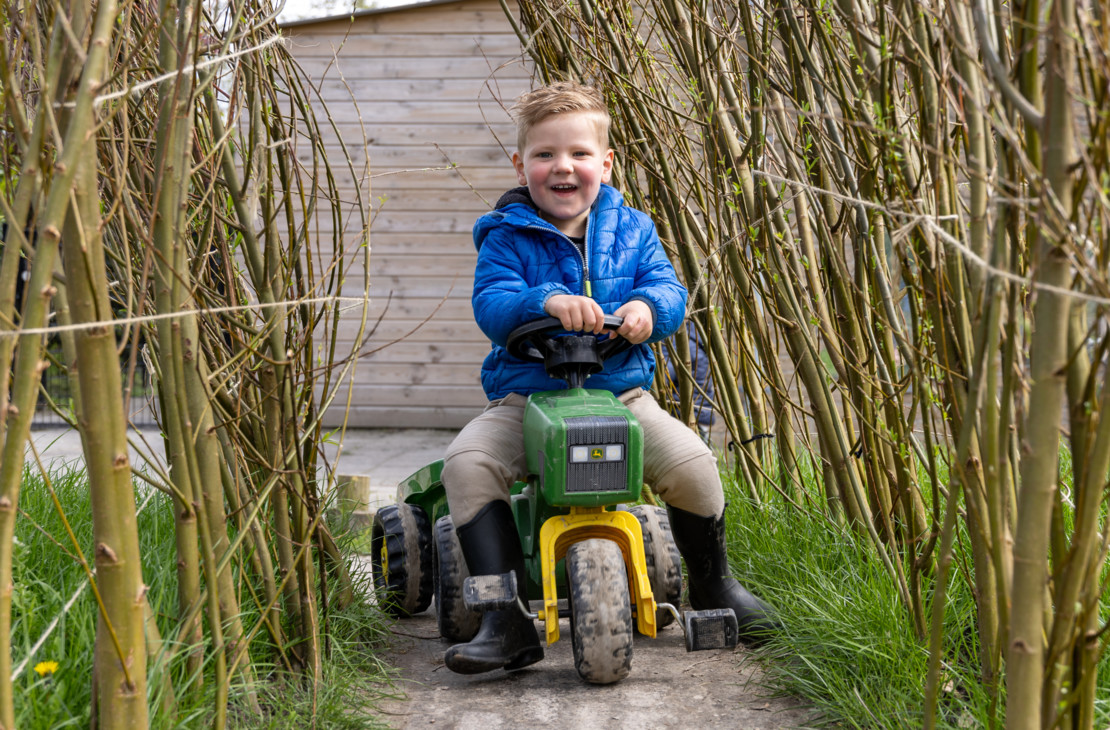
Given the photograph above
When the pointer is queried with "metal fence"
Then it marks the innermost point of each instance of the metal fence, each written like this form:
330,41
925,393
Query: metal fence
56,388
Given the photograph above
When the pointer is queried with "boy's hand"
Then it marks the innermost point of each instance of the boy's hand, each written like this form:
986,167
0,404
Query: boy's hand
638,323
577,314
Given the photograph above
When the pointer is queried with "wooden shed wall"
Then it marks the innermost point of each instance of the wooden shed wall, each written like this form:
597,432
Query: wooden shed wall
426,87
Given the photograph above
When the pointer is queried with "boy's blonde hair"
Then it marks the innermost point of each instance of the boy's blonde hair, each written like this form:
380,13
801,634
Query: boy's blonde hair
562,97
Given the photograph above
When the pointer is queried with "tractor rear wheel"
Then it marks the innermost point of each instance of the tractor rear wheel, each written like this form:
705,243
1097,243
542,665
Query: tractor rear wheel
456,622
401,559
664,564
600,611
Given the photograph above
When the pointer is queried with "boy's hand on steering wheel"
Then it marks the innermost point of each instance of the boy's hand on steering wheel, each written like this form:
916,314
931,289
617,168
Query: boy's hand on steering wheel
577,314
638,322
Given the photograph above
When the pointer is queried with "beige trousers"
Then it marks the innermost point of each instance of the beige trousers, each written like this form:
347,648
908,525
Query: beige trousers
487,458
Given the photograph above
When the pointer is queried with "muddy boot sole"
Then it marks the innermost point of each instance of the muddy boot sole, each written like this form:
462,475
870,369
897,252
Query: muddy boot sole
461,662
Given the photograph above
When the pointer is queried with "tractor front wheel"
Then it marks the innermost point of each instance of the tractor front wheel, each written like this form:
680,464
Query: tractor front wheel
600,611
401,559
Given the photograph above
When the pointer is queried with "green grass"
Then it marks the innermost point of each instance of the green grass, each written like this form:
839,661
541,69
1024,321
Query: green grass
47,575
848,648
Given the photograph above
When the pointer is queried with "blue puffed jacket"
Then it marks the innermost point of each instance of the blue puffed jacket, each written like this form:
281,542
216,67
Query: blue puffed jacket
523,261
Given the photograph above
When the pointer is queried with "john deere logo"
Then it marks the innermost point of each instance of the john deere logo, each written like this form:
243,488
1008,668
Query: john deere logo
597,454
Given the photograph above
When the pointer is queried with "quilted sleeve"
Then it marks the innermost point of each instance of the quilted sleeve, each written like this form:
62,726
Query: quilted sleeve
503,299
657,284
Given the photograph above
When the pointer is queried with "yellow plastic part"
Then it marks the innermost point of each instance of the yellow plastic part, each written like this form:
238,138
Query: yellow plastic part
586,523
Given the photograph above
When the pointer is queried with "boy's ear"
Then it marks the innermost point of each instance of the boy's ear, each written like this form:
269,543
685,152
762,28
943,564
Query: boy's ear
607,165
518,163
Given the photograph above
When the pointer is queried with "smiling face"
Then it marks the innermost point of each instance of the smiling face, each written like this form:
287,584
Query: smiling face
563,163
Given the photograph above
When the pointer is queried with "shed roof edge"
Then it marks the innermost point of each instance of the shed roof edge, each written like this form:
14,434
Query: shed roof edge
368,12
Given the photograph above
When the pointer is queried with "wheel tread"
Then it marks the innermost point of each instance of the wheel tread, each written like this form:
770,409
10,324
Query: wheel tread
456,622
601,612
403,586
662,558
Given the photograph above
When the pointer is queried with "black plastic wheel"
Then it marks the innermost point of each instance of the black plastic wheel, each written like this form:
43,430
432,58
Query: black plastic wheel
401,559
664,564
456,622
600,611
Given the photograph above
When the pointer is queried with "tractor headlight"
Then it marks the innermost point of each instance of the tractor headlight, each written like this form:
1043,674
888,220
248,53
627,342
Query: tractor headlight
596,453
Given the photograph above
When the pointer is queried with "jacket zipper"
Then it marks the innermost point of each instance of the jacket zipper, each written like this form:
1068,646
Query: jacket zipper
583,256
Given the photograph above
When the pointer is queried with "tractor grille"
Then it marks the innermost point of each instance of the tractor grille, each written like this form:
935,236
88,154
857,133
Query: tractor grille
601,474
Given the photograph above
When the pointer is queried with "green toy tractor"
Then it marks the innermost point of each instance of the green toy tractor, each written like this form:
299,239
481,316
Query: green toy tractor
587,556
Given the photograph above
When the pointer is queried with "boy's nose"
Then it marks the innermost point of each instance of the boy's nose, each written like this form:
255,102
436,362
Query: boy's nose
563,163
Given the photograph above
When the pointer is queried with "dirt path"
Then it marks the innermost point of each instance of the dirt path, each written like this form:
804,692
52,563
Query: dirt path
668,688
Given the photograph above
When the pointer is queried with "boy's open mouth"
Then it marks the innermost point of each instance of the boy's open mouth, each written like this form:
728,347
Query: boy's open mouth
566,188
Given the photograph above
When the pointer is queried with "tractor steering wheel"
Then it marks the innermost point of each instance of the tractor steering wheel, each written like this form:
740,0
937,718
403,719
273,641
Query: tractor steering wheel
565,355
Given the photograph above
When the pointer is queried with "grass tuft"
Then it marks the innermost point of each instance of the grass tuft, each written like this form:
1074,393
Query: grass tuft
48,575
848,646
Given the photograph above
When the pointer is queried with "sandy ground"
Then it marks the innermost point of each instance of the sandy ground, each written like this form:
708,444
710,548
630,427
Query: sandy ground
668,688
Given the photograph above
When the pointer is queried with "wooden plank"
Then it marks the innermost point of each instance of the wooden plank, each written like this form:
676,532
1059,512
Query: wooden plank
384,134
390,243
348,65
383,372
494,180
432,284
430,241
422,348
418,264
364,416
433,330
459,201
396,245
389,324
442,18
498,46
481,148
487,182
418,155
421,332
437,396
404,221
428,221
438,178
407,111
386,348
453,320
404,280
443,88
455,309
432,177
408,351
408,210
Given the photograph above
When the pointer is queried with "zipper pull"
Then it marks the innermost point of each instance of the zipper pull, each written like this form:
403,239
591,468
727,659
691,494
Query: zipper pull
589,289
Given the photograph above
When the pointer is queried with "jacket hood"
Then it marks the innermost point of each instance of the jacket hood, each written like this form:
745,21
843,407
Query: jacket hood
516,208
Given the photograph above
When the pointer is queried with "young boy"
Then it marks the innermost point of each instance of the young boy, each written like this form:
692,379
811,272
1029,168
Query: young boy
564,245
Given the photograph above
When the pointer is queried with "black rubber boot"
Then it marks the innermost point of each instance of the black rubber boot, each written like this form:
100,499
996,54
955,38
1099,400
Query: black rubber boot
701,541
507,638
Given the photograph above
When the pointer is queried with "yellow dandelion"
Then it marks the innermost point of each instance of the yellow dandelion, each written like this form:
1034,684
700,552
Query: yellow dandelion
45,668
